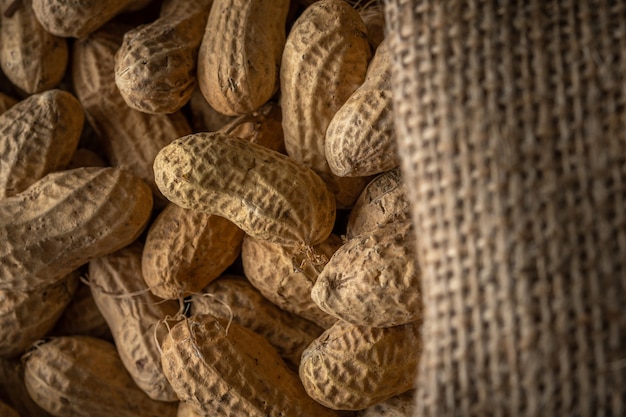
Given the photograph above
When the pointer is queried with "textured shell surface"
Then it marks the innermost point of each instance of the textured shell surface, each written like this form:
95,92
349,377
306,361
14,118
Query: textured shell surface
134,316
265,193
66,219
373,279
354,367
38,135
226,369
83,376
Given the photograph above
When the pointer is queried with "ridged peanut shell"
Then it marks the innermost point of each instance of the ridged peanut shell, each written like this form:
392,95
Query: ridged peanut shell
288,333
187,249
285,276
38,135
66,219
188,410
402,405
155,68
360,140
267,194
77,19
354,367
133,314
130,138
373,279
27,316
33,59
240,54
83,376
325,60
233,372
384,200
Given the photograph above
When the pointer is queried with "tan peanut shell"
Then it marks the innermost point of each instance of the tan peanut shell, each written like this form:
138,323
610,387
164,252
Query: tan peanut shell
39,135
64,220
133,314
384,200
27,316
187,249
285,276
188,410
155,68
78,19
265,193
402,405
33,59
82,317
130,138
232,296
6,102
7,411
205,118
324,61
13,391
354,367
228,370
373,16
239,57
373,279
360,140
84,376
84,157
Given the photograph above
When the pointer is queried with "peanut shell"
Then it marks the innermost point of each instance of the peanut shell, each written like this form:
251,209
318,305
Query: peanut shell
402,405
229,370
7,411
13,391
354,367
265,193
64,220
83,376
133,314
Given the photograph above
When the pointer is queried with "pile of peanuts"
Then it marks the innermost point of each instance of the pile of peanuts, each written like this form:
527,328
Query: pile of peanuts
202,211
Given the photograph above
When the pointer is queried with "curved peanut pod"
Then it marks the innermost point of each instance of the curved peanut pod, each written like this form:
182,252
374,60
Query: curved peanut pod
38,135
267,194
83,376
68,18
33,59
239,57
229,370
66,219
155,68
133,314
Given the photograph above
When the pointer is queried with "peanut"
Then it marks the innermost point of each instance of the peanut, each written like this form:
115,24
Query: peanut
325,59
235,296
186,249
79,18
239,57
402,405
6,102
39,135
155,68
354,367
360,140
13,391
384,200
132,314
84,376
265,193
285,277
7,411
373,279
226,369
130,138
64,220
26,316
33,59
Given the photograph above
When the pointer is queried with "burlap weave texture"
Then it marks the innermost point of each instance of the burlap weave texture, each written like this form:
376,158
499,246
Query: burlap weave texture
511,122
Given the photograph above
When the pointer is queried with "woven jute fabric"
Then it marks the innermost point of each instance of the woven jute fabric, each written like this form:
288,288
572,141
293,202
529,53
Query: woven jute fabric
511,123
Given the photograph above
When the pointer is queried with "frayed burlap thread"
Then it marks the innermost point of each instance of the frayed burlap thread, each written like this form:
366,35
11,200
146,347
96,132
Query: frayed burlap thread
511,121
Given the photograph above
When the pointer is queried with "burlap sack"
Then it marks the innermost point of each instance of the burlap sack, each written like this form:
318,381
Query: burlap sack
511,117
